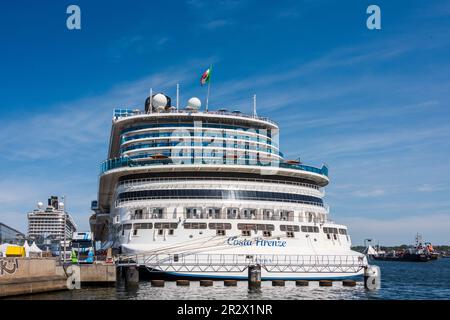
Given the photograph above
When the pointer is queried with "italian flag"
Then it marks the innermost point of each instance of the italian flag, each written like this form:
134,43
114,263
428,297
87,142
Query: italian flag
205,77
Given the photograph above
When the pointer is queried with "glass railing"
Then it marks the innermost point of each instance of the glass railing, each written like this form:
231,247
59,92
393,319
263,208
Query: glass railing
263,132
127,162
123,113
202,135
197,144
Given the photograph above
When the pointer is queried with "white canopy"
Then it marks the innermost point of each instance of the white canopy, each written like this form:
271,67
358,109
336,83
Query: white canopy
34,248
3,249
27,248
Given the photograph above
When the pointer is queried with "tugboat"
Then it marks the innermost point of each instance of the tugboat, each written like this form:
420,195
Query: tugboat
421,252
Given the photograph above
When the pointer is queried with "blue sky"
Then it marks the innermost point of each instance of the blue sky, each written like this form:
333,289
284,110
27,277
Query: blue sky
373,104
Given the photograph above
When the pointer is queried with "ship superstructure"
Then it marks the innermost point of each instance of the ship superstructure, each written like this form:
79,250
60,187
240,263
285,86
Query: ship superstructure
185,185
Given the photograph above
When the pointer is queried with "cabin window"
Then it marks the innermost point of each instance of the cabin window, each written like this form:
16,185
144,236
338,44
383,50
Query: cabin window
244,226
135,232
138,214
310,229
267,233
265,227
222,226
160,232
166,225
195,225
220,232
193,213
158,213
246,233
232,213
335,236
293,228
290,234
171,231
138,226
213,213
343,232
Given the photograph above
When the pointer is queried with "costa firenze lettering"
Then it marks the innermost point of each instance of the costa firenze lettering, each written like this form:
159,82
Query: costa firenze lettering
234,241
9,266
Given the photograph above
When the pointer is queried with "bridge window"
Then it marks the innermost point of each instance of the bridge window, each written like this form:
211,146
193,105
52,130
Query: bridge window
343,231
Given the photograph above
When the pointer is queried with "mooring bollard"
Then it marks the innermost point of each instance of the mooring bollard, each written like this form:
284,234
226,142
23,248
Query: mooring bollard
206,283
302,283
157,283
278,283
254,277
132,275
230,283
183,283
372,278
349,283
325,283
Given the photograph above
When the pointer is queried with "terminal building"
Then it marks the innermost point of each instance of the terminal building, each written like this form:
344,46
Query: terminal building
48,222
10,235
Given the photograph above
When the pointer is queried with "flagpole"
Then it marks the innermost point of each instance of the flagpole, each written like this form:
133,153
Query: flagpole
178,95
209,86
207,95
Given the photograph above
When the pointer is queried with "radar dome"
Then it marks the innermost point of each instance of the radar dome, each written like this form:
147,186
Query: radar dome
159,101
194,103
61,205
40,205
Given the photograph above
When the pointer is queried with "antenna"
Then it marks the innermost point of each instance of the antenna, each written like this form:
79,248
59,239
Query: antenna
178,95
254,105
151,100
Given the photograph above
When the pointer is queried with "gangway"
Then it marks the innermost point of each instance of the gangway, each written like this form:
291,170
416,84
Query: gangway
193,262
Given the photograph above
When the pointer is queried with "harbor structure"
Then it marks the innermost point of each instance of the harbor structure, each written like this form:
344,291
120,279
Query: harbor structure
51,222
191,193
10,235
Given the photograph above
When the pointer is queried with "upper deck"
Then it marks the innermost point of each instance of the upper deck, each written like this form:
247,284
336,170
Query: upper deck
126,120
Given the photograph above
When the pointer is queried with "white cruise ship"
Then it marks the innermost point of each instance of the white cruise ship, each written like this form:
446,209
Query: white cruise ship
188,193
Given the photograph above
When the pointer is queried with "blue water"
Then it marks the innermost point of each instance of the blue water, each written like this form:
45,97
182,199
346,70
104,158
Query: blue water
399,280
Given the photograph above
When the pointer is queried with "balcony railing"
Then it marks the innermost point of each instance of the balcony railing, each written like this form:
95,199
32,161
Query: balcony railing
127,162
123,113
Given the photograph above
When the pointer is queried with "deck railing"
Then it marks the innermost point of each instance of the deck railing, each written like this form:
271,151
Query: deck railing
127,162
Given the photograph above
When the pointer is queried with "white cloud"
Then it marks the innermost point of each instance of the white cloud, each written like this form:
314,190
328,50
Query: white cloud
369,193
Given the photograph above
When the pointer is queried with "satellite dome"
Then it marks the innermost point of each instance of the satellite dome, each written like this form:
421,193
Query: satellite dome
61,205
194,103
159,101
40,205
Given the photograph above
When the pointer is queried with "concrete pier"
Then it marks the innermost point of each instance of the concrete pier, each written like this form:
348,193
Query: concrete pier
20,276
98,273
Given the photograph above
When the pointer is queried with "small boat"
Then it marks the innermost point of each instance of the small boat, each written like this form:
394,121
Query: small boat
421,252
